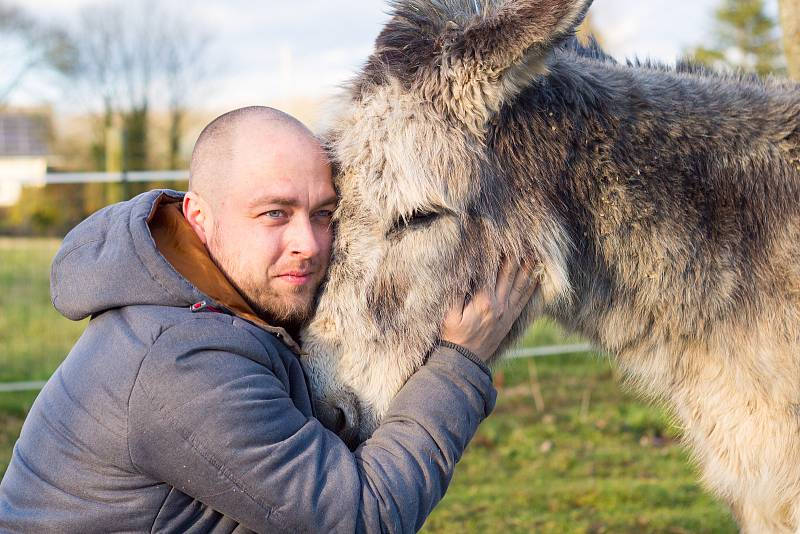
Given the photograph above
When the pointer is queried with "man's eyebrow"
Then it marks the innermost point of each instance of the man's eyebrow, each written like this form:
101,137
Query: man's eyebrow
271,200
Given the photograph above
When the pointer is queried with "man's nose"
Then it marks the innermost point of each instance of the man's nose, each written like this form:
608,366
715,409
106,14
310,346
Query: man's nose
302,240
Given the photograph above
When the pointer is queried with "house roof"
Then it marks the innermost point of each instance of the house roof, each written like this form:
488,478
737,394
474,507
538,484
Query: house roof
24,134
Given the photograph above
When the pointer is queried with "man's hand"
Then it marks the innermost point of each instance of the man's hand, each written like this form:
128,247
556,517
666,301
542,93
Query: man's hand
481,324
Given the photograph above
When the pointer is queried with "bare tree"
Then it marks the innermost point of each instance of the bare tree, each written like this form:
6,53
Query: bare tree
134,56
98,69
28,45
790,22
185,68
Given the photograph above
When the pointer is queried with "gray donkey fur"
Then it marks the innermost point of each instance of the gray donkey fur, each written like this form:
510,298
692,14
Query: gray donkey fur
661,208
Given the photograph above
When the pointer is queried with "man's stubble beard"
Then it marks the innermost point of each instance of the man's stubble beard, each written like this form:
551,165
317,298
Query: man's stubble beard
271,306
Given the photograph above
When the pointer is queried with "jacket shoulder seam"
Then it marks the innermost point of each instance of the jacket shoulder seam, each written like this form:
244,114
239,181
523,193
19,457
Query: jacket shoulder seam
138,373
130,395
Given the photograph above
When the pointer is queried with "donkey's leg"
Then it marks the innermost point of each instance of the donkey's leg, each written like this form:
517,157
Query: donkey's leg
767,503
795,514
756,520
762,490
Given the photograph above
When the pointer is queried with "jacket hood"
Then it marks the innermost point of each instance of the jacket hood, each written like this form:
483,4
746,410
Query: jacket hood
112,259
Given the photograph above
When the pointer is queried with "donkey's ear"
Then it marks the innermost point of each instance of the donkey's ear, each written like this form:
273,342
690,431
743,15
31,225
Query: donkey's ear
516,39
502,36
471,55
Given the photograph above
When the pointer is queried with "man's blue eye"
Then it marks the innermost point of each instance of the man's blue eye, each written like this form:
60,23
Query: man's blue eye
274,214
325,213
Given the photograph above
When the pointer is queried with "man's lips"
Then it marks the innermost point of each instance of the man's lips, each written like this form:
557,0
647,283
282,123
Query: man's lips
296,277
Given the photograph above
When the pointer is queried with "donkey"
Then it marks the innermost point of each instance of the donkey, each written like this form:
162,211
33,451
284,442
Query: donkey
660,207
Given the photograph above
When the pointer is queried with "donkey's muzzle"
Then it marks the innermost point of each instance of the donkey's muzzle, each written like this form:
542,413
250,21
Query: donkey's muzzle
340,413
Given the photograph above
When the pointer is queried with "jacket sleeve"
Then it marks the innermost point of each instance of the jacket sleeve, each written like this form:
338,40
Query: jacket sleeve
215,422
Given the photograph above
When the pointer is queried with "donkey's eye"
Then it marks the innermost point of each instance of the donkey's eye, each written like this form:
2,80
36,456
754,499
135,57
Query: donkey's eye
421,218
418,219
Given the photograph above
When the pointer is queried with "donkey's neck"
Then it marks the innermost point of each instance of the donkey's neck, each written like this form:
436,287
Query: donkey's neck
678,191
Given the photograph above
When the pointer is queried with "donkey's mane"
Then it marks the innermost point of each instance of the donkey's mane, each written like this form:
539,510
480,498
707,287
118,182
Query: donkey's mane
590,49
688,65
437,13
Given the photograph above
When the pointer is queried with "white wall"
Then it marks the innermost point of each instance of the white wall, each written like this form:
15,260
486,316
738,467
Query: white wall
14,172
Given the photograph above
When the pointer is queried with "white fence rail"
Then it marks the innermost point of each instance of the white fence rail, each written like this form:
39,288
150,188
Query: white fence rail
534,352
554,350
11,185
113,177
13,387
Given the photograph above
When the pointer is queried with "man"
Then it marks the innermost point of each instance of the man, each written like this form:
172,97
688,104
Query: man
183,407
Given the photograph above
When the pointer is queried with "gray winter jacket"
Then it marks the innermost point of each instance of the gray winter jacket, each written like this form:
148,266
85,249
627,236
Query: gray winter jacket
168,419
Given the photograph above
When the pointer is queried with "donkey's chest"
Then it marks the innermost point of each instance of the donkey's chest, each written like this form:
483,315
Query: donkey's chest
739,413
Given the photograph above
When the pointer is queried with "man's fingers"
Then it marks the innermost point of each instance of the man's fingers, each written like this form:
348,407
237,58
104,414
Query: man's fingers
521,280
513,287
455,314
506,279
523,274
524,287
522,297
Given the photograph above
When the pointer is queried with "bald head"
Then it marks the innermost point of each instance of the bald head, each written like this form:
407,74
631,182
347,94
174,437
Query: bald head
241,138
261,199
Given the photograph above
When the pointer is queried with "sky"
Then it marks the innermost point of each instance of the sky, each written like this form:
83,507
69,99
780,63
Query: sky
273,50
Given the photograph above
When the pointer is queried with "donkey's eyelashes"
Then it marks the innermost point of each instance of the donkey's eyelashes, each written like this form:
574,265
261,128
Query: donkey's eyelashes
418,219
421,218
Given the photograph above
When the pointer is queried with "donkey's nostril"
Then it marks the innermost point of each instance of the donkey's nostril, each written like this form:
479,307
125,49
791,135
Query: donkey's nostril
339,423
340,414
350,430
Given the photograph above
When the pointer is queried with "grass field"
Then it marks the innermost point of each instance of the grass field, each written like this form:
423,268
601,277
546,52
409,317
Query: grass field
565,451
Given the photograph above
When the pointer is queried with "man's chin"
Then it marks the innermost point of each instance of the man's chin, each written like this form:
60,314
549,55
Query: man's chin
290,313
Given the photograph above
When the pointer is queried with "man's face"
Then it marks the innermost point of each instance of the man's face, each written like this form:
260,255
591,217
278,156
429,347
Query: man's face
271,230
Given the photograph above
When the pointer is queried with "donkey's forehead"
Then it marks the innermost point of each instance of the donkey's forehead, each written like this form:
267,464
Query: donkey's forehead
396,151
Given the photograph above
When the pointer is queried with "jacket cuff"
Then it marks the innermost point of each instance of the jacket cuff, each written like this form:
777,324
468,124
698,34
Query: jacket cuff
471,356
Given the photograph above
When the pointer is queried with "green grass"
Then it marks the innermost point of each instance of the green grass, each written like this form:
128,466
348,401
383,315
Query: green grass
565,451
593,459
34,338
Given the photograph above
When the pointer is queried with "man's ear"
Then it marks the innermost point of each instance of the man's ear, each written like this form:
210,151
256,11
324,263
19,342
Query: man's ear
197,211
